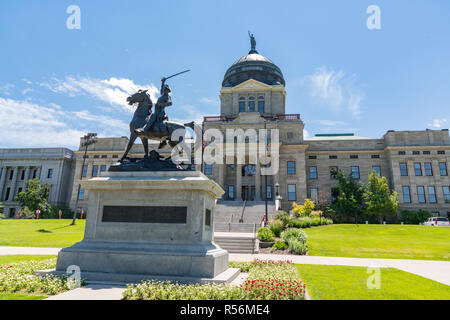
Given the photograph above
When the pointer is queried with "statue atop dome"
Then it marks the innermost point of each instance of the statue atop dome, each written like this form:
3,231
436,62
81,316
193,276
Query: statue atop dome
252,43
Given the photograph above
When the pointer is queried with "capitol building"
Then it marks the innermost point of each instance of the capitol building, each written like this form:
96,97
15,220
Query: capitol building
253,96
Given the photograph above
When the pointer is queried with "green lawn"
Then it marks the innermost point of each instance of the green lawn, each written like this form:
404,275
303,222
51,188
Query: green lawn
350,283
7,296
40,233
380,241
8,259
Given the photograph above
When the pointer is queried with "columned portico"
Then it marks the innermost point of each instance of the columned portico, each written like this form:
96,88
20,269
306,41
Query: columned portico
238,192
13,184
2,181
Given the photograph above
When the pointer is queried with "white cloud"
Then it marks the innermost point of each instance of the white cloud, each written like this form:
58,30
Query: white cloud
331,123
305,134
335,90
27,124
113,90
189,112
437,123
210,101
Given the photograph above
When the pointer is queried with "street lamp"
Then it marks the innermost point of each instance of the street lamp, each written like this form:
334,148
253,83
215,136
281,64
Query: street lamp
88,140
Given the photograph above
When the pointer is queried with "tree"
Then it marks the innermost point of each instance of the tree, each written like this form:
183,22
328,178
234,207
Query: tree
379,199
35,196
349,199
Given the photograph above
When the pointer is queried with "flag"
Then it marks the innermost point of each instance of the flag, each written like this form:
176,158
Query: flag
82,214
60,213
18,214
37,213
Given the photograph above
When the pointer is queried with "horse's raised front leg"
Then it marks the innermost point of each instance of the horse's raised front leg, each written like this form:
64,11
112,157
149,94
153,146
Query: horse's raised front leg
133,137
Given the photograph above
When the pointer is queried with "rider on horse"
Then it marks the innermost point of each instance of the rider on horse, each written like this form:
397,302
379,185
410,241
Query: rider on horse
157,118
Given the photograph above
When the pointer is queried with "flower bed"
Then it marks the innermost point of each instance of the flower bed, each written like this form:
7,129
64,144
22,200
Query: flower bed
267,280
20,278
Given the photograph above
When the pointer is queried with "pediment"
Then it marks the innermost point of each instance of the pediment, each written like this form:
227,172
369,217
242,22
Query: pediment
252,84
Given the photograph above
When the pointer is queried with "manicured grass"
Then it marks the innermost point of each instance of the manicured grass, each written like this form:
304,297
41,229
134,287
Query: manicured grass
7,296
380,241
40,233
9,259
350,283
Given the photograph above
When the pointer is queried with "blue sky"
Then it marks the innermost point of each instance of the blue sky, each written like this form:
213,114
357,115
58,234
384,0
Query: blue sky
57,84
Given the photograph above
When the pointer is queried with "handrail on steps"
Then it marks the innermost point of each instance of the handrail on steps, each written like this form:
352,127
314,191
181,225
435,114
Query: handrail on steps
241,220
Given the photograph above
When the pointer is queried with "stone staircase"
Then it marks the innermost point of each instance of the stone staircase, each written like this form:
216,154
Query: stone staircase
236,223
237,242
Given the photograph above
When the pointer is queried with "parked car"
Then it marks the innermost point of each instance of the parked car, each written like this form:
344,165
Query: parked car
437,221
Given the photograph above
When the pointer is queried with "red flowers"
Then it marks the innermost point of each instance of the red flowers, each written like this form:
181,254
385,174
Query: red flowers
6,267
275,289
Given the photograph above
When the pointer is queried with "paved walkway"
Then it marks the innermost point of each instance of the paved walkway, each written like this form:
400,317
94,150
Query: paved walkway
92,292
434,270
28,251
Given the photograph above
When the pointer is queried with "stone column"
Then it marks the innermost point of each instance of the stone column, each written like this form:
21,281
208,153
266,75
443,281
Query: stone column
221,174
26,174
258,195
238,196
13,184
38,176
2,181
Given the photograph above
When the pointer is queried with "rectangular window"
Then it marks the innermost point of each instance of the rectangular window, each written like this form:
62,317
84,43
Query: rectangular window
312,157
230,192
375,156
428,169
421,194
104,156
418,169
441,152
314,194
208,168
261,107
291,167
115,156
85,167
251,106
333,157
292,193
241,106
426,152
354,156
94,171
96,156
406,195
103,168
313,172
432,194
49,173
377,169
22,177
401,153
269,192
443,169
333,172
81,194
355,172
416,153
403,170
446,191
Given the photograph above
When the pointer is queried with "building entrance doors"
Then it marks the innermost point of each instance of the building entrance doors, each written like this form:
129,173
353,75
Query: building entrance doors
248,193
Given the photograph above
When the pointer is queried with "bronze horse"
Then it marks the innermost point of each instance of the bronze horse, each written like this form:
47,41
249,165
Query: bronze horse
142,116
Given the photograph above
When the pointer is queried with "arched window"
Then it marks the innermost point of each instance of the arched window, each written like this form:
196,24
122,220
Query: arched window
251,104
261,104
242,104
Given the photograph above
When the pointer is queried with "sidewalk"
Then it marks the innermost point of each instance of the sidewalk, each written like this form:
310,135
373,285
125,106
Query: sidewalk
435,270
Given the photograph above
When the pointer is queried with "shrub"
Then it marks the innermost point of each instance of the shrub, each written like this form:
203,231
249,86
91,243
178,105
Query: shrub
279,245
291,235
276,227
53,212
298,247
305,209
414,217
283,217
265,235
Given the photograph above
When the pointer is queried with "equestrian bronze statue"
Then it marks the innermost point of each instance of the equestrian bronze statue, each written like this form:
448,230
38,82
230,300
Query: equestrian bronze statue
152,125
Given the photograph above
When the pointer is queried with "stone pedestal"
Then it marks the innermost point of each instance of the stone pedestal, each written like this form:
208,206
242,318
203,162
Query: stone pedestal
149,225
